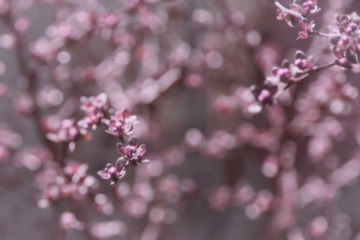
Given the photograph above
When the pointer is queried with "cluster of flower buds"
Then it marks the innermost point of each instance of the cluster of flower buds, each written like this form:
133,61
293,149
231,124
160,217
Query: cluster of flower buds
77,25
68,221
70,182
69,132
346,40
109,229
95,109
114,173
121,124
298,11
283,77
131,155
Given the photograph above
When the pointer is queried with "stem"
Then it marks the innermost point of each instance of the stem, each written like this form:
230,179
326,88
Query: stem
64,151
324,66
326,35
121,138
307,73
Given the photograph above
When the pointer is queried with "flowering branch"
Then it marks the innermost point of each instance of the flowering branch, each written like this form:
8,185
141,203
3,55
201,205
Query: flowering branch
344,42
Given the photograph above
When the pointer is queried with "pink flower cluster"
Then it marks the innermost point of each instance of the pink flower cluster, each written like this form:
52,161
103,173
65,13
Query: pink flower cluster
283,77
121,124
345,40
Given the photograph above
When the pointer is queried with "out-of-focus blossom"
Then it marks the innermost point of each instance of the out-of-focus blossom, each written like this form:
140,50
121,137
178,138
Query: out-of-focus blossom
136,208
105,230
4,153
220,198
94,108
25,104
103,204
69,132
68,221
71,182
33,158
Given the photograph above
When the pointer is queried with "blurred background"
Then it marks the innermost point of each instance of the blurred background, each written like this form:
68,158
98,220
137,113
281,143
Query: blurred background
221,165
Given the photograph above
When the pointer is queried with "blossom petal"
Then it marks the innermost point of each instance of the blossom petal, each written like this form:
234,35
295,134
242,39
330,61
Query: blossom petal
120,163
121,148
119,115
108,166
145,160
112,123
141,150
122,173
128,128
133,119
104,174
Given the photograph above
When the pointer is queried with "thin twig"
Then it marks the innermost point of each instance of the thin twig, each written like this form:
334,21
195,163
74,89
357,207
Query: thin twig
322,34
307,73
